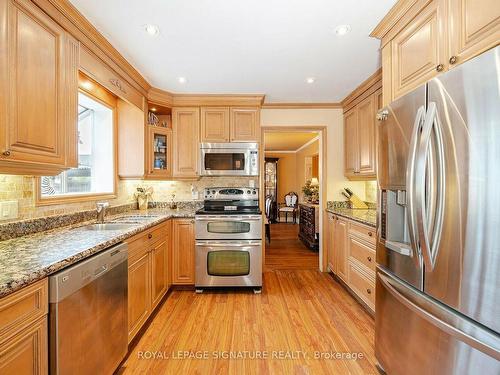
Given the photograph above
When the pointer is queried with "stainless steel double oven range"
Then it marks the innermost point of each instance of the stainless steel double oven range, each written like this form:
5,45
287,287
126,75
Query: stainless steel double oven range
228,233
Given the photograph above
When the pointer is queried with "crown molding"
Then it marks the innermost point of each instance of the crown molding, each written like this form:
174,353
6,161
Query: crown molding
301,105
229,100
309,142
391,18
160,97
367,87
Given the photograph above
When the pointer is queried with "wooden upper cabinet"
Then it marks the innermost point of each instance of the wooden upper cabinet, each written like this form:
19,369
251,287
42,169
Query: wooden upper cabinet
418,51
186,129
351,145
183,266
39,69
366,135
215,124
159,152
474,27
245,124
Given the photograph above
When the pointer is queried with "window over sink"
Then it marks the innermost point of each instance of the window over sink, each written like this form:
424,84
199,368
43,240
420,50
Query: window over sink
95,174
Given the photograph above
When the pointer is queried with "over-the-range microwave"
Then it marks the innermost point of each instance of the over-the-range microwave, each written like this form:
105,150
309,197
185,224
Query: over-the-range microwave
229,159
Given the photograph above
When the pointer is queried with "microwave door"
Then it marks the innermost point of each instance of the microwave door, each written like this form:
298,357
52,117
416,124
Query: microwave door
225,162
463,238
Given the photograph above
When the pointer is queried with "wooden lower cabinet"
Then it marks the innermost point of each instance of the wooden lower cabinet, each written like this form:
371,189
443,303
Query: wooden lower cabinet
183,262
148,274
351,256
26,352
24,331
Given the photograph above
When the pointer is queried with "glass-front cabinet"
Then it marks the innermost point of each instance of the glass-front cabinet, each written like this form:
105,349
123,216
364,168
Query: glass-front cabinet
159,160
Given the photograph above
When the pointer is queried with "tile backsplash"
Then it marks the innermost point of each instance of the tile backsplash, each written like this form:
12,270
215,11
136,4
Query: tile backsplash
22,190
371,191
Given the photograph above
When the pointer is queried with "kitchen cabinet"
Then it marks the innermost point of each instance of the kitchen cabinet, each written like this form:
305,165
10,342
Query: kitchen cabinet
430,37
39,92
183,256
340,248
148,274
186,130
24,331
359,139
245,124
215,124
474,27
418,50
159,152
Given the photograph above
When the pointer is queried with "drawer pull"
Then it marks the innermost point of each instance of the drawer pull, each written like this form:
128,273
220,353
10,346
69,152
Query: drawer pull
440,67
369,259
150,235
370,234
369,291
453,60
6,153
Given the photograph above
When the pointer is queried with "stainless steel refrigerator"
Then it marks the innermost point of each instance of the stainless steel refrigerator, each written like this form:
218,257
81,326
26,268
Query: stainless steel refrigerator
438,254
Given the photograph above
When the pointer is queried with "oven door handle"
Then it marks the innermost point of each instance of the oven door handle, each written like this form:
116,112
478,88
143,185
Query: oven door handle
228,244
231,218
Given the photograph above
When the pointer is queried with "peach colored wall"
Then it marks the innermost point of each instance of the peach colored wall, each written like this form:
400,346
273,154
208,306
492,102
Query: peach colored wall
287,178
310,150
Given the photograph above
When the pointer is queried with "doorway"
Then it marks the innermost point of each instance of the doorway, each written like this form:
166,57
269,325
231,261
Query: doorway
293,164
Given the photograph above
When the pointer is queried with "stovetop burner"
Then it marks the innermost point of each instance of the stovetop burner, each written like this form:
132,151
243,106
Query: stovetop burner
230,201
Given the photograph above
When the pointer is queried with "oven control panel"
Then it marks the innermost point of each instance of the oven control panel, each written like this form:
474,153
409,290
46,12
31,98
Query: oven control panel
240,193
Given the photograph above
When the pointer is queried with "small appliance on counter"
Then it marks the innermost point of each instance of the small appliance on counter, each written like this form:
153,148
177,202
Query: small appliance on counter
228,232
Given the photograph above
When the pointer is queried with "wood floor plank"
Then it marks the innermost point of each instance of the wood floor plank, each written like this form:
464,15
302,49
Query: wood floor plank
300,310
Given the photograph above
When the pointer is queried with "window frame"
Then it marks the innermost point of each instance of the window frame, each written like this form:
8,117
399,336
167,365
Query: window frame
98,93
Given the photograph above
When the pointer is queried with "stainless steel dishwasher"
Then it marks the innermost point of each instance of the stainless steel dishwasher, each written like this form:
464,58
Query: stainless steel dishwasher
88,314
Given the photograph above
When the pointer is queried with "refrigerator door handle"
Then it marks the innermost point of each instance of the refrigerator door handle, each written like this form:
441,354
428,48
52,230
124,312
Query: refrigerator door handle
443,318
410,183
430,209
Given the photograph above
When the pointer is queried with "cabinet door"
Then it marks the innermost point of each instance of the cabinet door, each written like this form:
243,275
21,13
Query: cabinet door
26,352
366,136
159,272
331,240
215,124
159,151
351,146
418,51
474,28
139,294
341,248
183,251
245,126
40,87
186,129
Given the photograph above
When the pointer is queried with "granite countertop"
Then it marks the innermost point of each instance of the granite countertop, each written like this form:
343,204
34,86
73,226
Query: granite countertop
364,216
27,259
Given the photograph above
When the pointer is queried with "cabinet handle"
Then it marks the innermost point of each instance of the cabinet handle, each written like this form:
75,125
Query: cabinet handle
440,67
192,221
453,60
370,234
150,235
369,259
369,291
6,153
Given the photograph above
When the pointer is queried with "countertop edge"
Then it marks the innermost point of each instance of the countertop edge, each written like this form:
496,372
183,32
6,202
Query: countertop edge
347,216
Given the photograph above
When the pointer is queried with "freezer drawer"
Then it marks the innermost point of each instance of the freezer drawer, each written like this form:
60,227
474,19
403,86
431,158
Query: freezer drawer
415,335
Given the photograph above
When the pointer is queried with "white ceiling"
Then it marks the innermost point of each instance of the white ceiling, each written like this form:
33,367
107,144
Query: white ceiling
235,46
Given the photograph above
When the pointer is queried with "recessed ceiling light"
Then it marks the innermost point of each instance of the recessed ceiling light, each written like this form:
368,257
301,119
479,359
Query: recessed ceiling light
310,80
342,29
182,79
153,109
152,29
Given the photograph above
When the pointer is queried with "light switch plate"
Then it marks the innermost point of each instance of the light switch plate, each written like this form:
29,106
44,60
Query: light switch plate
9,210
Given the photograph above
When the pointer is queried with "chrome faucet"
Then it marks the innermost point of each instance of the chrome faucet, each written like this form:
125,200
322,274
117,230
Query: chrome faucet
101,211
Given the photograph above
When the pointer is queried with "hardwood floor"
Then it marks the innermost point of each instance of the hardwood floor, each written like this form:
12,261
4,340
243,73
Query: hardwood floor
301,314
286,251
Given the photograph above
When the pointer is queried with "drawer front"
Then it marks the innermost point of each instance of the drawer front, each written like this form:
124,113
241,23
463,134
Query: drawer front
363,231
141,243
361,284
21,308
362,252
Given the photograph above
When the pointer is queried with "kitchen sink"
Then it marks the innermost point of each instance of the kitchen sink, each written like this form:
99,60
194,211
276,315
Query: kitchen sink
109,226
